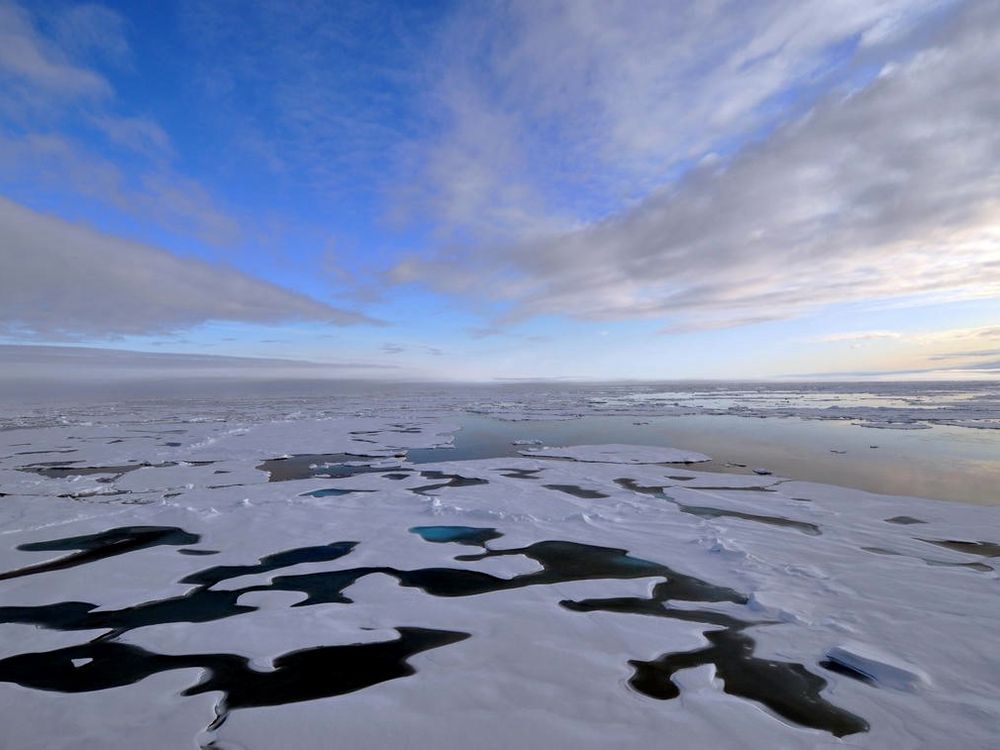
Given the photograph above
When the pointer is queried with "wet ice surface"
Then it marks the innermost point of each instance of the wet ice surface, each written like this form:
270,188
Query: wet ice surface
221,576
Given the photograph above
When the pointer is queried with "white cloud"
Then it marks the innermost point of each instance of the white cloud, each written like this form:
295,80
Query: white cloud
139,134
52,87
63,280
938,353
558,111
977,334
92,29
33,66
857,336
892,191
62,165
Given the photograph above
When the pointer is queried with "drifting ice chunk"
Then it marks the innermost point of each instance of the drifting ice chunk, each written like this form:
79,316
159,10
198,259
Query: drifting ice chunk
882,668
877,424
620,454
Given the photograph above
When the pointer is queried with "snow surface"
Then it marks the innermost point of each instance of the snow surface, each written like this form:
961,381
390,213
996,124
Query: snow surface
876,596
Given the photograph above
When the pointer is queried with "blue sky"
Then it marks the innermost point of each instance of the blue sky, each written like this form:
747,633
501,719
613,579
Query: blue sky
559,189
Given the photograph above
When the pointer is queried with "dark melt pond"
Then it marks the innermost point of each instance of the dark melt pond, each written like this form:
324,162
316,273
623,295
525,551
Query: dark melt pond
332,465
789,689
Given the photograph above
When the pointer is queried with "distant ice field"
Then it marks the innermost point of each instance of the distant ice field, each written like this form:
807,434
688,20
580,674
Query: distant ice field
936,440
944,462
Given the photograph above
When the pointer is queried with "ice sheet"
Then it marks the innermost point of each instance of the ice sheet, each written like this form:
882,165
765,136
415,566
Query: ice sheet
524,622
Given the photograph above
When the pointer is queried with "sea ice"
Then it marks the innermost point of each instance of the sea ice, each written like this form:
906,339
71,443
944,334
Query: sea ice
877,665
518,601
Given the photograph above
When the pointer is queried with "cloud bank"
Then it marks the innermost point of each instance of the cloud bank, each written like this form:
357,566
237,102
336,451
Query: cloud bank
64,280
559,111
21,361
891,190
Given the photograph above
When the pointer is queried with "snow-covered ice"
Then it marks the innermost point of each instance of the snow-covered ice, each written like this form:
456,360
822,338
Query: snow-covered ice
161,587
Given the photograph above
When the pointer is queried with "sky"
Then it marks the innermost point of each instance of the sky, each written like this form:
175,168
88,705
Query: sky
548,189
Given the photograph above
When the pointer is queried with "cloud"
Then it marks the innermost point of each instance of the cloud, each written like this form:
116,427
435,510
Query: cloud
58,360
399,349
982,336
984,371
552,113
64,280
967,354
56,100
318,93
63,166
31,374
34,66
891,191
931,353
857,336
91,29
982,332
139,134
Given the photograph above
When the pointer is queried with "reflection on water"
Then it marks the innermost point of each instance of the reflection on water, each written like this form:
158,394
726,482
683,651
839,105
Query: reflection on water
804,396
948,463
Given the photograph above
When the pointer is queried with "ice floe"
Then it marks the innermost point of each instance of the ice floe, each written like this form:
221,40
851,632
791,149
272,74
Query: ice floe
620,454
179,590
882,668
